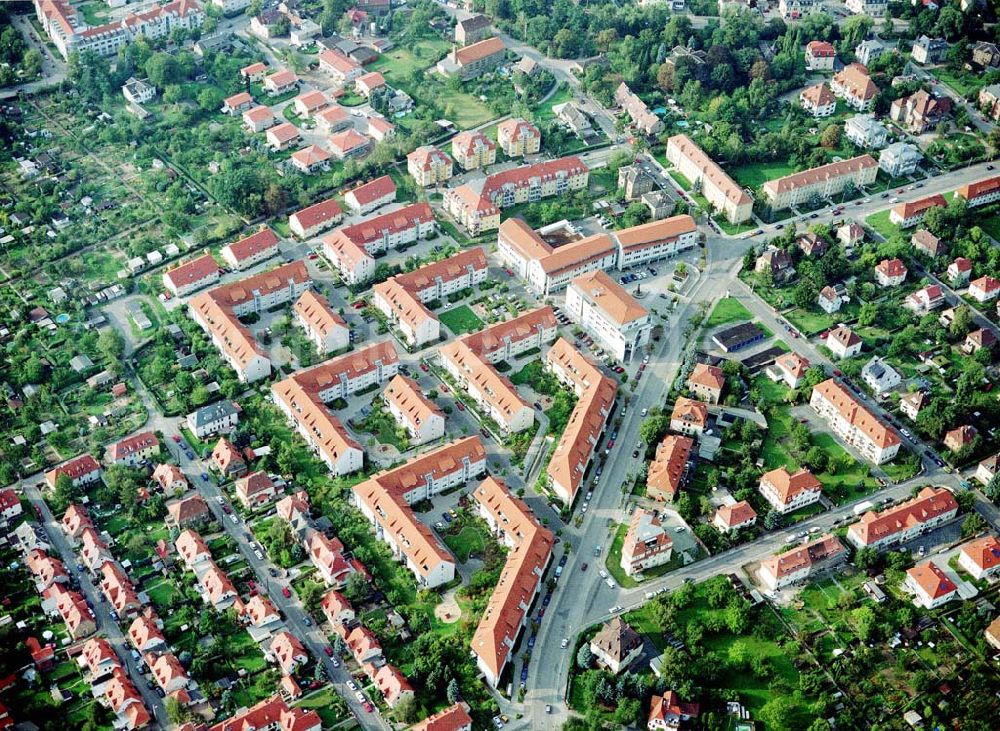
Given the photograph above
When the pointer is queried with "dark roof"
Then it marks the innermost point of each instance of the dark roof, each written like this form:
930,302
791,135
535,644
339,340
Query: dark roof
737,335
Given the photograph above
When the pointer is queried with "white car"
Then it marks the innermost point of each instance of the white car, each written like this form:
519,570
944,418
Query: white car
259,555
218,499
360,696
351,685
565,643
610,583
233,518
644,412
603,574
616,608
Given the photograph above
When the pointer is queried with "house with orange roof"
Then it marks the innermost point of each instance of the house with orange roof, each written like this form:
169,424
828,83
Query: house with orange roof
932,507
237,103
413,411
787,492
453,718
310,102
706,383
310,159
93,550
647,544
392,684
428,166
167,670
294,509
668,712
820,56
734,517
325,328
333,119
217,588
289,689
98,657
507,340
981,558
125,701
987,469
251,250
337,608
843,342
818,100
825,181
984,289
385,499
369,196
192,275
46,570
327,555
853,422
227,459
258,119
909,213
890,272
689,417
930,586
303,405
118,589
789,369
254,73
217,312
472,149
256,489
992,634
417,324
73,609
473,60
799,563
283,136
603,308
145,634
316,218
855,87
349,143
476,205
271,713
369,83
280,82
187,511
721,191
595,393
170,478
261,612
340,67
518,137
82,470
980,192
75,520
668,471
134,450
493,393
192,548
364,645
959,271
960,437
507,610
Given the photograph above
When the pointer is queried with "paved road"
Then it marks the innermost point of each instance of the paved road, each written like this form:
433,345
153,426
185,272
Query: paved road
106,626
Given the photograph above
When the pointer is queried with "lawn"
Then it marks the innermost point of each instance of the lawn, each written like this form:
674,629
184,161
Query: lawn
991,226
614,559
881,223
964,83
562,94
811,322
534,374
727,310
467,542
402,61
755,175
461,320
330,706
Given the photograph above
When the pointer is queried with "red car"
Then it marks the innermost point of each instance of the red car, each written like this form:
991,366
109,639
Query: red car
359,304
611,443
328,650
314,256
176,438
424,368
460,405
368,706
444,388
286,592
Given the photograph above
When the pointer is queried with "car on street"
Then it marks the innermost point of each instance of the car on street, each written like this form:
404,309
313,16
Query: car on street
352,685
204,477
259,555
460,405
424,368
644,412
447,518
286,592
360,696
176,438
233,519
610,582
497,723
603,574
226,509
565,643
583,567
368,707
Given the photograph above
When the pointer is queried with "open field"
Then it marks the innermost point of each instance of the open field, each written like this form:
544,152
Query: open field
461,320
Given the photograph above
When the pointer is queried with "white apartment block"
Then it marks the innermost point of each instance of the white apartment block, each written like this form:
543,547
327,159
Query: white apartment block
610,314
865,131
872,8
854,423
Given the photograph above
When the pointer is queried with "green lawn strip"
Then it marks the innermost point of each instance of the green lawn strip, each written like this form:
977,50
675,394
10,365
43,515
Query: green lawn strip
726,310
755,175
613,562
562,95
461,320
811,322
467,542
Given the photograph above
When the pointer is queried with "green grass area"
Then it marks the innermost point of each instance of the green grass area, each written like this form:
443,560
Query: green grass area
469,541
811,322
991,226
681,180
756,174
461,320
534,374
614,559
880,222
328,704
562,95
727,310
963,82
402,61
384,428
733,229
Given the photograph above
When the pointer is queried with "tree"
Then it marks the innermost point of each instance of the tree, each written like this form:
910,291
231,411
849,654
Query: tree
864,621
584,656
866,558
111,345
453,693
356,589
830,138
209,99
406,709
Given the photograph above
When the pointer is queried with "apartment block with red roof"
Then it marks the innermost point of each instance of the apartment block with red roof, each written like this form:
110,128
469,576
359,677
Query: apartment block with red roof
787,492
271,714
799,563
603,308
729,518
191,276
251,250
855,87
493,393
370,196
324,327
647,544
507,340
981,192
825,181
385,500
668,471
930,586
217,312
321,429
453,718
854,423
518,137
315,219
82,470
473,60
10,505
818,100
134,450
820,56
932,507
595,392
472,149
429,166
724,193
476,205
413,411
507,611
415,322
689,417
981,558
910,213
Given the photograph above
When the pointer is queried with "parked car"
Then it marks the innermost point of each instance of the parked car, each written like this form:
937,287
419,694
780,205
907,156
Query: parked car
286,592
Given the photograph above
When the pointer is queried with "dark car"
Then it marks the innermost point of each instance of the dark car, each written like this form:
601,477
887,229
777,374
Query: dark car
583,567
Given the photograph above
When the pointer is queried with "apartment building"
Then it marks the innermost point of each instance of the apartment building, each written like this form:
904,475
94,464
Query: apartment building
415,322
351,249
900,159
787,492
530,552
722,192
494,394
689,417
910,213
855,87
649,242
134,450
644,120
324,327
818,100
218,418
981,558
316,218
820,56
81,470
518,137
800,563
192,276
342,69
429,166
931,507
871,8
385,499
472,29
217,312
920,111
706,382
596,400
347,374
647,544
931,587
824,181
251,250
668,471
473,60
980,192
867,132
610,314
854,423
366,198
476,205
69,32
472,149
413,411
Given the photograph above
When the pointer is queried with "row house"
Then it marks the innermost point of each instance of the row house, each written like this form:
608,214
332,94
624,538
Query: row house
227,459
146,635
192,276
385,500
854,423
638,112
325,328
372,195
327,555
73,609
316,218
413,411
932,507
574,452
83,470
256,489
272,714
251,250
668,471
980,192
415,322
722,192
493,393
800,563
910,213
